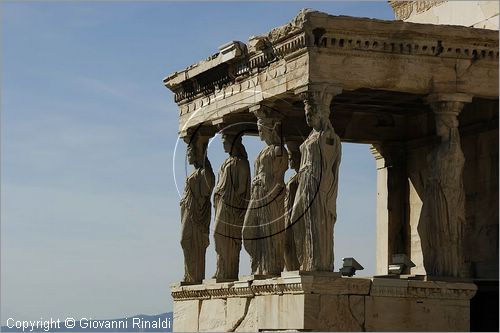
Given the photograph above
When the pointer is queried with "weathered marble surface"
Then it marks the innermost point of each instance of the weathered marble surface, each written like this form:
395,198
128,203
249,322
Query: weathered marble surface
263,229
315,207
386,69
442,220
195,210
477,14
231,197
479,142
322,301
354,53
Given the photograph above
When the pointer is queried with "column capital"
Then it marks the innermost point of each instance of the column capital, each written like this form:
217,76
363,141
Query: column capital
449,97
318,96
448,103
265,112
320,92
236,130
198,135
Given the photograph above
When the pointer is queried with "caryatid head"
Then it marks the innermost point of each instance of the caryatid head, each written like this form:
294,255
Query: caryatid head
317,115
269,130
317,99
233,145
446,120
227,142
196,150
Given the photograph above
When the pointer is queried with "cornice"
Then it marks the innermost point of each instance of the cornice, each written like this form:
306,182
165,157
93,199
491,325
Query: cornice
313,31
219,75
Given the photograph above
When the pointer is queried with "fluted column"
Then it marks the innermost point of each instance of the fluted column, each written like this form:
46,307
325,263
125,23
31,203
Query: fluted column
442,221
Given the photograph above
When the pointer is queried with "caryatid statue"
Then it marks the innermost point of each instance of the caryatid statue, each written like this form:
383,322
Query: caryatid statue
263,228
195,209
291,260
442,220
231,198
314,209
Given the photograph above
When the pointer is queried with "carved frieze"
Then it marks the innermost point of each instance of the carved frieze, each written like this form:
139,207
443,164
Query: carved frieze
404,9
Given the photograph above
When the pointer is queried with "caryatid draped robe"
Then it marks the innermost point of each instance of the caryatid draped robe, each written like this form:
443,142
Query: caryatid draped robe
231,198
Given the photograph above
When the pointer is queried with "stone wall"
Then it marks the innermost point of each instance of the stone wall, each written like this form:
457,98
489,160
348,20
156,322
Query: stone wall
480,147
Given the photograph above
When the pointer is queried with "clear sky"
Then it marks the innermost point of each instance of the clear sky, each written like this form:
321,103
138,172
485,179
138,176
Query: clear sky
90,221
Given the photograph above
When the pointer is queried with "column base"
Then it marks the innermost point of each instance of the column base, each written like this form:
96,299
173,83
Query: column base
323,301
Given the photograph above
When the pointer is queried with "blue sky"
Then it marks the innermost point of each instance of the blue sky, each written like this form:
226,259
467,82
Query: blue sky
89,211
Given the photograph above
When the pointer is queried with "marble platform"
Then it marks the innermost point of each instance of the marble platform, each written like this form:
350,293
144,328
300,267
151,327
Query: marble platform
323,302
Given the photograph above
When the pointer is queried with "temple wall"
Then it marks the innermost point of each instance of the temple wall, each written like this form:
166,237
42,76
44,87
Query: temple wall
481,188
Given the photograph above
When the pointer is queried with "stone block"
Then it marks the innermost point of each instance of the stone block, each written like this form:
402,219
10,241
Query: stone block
280,312
186,316
212,315
311,311
236,310
250,322
327,303
416,314
341,313
389,287
343,286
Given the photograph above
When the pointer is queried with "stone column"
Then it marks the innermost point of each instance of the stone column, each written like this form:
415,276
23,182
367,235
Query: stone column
196,208
264,223
442,221
382,235
314,210
393,230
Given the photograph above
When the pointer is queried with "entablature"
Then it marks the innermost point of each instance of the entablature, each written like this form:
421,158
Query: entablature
353,53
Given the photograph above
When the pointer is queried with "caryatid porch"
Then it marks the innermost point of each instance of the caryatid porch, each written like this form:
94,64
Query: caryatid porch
410,90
